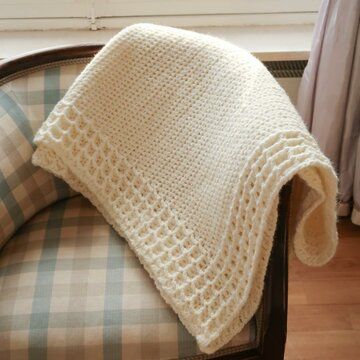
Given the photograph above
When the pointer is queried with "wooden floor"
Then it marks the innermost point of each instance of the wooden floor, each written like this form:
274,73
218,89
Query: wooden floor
324,304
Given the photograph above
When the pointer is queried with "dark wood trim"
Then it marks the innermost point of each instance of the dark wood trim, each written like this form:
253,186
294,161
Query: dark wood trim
276,293
273,329
45,57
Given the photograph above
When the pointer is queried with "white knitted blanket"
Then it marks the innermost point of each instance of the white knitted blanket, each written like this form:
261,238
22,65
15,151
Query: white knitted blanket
183,142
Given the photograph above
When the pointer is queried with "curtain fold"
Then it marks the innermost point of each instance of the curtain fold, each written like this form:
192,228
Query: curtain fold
329,96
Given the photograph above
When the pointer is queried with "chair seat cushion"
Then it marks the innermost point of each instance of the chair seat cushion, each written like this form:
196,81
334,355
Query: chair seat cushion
70,287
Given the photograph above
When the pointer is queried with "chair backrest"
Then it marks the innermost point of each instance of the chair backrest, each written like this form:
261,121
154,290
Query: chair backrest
30,86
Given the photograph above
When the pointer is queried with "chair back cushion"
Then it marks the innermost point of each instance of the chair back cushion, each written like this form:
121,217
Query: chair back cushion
24,104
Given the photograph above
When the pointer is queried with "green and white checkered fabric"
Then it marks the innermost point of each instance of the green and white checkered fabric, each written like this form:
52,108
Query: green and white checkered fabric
70,287
24,105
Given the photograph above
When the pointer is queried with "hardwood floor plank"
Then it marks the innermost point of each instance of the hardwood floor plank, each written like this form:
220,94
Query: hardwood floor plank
325,291
341,267
316,317
324,304
321,345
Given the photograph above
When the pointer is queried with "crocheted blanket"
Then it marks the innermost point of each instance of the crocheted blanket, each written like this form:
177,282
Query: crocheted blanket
183,142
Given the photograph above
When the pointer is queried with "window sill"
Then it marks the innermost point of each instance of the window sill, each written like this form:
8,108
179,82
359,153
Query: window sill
285,42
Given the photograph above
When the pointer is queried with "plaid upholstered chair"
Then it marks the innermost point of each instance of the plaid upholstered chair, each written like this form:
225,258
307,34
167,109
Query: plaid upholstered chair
70,287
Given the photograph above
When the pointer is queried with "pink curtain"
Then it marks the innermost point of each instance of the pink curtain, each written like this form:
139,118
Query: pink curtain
329,96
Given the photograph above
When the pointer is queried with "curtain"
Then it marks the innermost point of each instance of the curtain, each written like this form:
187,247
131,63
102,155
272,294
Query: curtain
329,96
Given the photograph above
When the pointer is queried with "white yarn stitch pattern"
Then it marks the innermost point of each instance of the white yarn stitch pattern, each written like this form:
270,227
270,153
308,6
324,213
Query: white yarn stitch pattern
183,142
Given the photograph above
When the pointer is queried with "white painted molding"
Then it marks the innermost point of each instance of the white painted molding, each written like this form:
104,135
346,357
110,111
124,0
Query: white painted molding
288,42
109,14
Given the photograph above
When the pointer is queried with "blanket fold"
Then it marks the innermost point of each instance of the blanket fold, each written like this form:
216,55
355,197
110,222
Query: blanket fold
183,142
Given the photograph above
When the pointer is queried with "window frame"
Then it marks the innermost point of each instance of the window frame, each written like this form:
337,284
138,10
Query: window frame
98,14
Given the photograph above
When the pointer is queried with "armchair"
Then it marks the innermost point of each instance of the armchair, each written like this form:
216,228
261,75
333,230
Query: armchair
70,287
